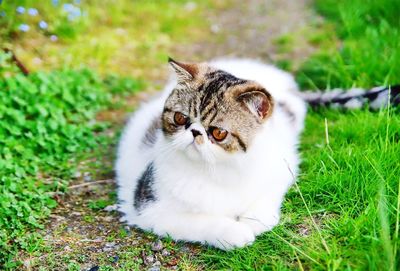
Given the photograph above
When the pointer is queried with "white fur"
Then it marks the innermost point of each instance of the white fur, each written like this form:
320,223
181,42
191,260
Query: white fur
202,193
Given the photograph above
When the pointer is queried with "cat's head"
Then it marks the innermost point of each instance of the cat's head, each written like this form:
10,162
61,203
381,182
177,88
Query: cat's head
212,115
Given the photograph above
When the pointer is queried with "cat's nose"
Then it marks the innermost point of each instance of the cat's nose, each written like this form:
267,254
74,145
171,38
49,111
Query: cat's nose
195,133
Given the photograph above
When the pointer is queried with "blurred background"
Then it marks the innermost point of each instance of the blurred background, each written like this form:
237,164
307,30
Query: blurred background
135,37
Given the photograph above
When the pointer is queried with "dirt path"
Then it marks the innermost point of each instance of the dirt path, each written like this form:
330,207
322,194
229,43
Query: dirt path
256,29
83,232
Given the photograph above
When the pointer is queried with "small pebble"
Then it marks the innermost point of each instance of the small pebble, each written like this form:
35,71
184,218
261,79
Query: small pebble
67,248
149,259
77,174
110,244
157,246
111,208
108,218
87,178
185,249
165,252
100,227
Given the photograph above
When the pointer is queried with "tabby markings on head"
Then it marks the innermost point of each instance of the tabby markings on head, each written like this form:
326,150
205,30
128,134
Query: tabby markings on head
217,100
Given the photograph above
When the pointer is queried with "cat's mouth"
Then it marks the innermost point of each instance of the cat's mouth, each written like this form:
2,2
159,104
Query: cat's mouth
193,150
193,145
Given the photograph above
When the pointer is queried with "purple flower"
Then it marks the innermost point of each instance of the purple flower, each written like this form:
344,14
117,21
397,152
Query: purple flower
20,10
43,25
24,27
53,38
55,2
33,11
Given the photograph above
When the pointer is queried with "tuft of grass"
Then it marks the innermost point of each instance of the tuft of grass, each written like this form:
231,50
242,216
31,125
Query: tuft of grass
369,53
47,121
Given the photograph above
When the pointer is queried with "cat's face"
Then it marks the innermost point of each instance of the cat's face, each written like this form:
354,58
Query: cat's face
212,115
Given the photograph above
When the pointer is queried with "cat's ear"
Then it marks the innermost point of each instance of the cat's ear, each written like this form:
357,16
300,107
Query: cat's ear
258,101
185,72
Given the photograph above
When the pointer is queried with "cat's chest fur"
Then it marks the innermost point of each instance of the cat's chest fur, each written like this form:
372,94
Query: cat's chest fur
229,189
200,189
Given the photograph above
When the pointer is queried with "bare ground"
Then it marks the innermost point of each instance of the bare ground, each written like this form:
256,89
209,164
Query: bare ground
81,234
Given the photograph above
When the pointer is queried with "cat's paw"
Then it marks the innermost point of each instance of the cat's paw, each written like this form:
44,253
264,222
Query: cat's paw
235,235
259,226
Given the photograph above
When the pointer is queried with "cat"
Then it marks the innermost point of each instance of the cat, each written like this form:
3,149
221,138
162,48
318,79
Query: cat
211,159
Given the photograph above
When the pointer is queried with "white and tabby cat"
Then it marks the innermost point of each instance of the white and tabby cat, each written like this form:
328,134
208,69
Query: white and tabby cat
211,159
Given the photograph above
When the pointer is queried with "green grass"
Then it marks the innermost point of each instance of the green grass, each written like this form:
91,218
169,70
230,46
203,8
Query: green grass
344,213
368,53
48,121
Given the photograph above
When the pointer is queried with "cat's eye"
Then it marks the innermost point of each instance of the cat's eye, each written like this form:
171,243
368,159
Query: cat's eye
180,118
219,134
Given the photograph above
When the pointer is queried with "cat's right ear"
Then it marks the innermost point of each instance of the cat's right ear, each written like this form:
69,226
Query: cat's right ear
185,72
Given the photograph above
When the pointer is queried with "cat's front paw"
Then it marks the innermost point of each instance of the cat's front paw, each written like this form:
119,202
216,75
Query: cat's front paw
258,225
235,235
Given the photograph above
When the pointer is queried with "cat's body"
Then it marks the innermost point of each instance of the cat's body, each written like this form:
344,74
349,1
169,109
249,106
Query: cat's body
183,182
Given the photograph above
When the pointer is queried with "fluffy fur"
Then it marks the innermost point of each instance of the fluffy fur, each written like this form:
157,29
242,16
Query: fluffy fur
177,181
227,200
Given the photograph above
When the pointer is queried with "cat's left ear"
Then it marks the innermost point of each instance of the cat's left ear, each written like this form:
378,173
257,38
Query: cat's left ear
185,72
258,101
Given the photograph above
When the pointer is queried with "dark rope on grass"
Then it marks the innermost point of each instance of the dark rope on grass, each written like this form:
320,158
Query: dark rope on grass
17,62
